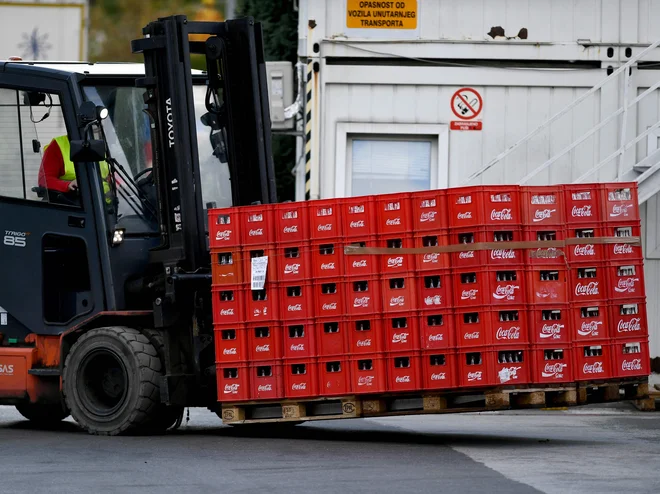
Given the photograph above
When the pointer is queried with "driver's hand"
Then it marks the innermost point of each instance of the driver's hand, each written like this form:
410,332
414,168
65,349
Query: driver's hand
73,185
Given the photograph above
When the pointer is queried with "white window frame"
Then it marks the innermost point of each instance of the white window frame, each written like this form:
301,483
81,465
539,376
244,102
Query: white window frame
437,134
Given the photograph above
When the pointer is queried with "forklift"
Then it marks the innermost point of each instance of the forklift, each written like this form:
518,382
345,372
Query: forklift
105,289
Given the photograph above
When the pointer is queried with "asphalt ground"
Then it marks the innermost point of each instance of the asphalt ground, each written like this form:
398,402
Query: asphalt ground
598,449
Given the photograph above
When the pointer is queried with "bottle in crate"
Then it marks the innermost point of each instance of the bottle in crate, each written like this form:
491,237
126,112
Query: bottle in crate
227,267
590,322
465,238
394,214
398,293
631,358
588,283
296,301
508,326
434,290
265,341
231,343
360,265
224,228
429,211
327,258
582,203
628,318
626,280
291,223
629,247
581,248
233,382
293,263
547,285
228,304
358,216
325,219
329,298
619,202
394,262
299,339
331,337
365,335
368,374
431,261
502,206
542,255
262,305
257,225
437,330
401,333
466,207
363,296
472,327
475,368
550,324
542,205
470,287
506,286
504,256
266,380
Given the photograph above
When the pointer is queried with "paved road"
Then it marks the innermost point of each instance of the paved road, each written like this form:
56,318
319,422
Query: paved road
594,450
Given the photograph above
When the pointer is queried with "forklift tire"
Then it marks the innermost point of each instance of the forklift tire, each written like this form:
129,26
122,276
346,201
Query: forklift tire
43,415
111,381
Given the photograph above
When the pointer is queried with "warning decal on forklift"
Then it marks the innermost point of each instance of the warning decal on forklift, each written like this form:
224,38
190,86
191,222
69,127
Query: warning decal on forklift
259,267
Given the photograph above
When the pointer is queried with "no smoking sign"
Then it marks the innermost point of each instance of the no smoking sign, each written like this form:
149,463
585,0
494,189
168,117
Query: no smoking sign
466,104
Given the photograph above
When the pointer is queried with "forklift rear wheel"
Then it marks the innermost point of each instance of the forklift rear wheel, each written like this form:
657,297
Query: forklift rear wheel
111,381
43,415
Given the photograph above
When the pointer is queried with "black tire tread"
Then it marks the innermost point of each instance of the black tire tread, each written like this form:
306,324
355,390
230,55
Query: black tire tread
150,369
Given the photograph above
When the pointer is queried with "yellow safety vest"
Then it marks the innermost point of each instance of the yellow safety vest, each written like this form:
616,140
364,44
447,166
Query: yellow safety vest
70,168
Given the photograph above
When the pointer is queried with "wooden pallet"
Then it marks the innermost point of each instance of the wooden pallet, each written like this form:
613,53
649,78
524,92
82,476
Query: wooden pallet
452,401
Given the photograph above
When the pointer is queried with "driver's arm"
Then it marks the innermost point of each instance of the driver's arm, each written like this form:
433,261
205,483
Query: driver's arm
52,168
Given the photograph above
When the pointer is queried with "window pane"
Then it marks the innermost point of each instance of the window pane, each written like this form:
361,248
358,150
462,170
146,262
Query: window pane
381,167
11,184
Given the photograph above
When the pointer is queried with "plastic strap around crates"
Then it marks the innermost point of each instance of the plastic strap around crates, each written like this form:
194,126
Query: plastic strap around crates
521,245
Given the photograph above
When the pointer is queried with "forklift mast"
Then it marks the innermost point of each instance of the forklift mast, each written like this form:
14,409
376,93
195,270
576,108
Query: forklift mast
238,112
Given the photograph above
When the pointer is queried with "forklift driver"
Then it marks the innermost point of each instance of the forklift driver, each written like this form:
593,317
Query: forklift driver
58,172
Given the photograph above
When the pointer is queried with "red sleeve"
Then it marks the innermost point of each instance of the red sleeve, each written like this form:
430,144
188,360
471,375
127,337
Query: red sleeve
52,168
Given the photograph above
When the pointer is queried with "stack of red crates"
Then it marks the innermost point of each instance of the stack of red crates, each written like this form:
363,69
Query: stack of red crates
329,322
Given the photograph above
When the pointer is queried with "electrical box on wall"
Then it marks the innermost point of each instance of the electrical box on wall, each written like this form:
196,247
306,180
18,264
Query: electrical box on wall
280,93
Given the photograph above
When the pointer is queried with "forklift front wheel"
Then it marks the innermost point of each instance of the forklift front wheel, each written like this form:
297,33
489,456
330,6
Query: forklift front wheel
111,381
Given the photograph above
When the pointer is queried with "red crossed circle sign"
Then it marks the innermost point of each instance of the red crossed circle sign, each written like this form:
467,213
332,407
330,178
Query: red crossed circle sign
466,103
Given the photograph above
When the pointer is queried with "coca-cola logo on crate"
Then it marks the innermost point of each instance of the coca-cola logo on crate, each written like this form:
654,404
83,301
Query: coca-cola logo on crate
475,376
265,387
224,235
584,250
501,215
631,365
626,285
502,254
552,331
427,216
620,210
581,212
590,328
543,214
507,292
588,290
290,229
622,249
512,333
595,368
630,326
555,370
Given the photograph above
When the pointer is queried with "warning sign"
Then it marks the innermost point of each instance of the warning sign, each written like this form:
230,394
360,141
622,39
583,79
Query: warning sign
466,104
374,14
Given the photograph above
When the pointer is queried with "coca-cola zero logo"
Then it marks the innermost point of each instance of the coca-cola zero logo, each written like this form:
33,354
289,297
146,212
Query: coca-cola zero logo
291,268
400,337
232,389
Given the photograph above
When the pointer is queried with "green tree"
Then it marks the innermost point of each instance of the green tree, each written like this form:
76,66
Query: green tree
280,26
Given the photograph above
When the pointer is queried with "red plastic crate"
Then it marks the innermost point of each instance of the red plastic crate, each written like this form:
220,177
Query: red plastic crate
368,374
590,322
301,378
334,376
327,257
227,267
508,326
329,298
434,290
228,304
431,261
404,372
468,258
619,201
552,364
429,210
466,207
398,293
363,296
470,287
324,219
626,280
587,251
293,262
292,222
261,305
439,369
299,340
475,368
631,358
358,215
402,333
628,319
266,381
251,251
506,286
512,365
331,337
592,361
233,383
257,225
394,214
224,228
502,205
588,283
582,202
547,285
231,343
365,336
472,327
550,324
361,265
395,262
296,301
543,205
545,255
436,330
622,252
264,341
504,256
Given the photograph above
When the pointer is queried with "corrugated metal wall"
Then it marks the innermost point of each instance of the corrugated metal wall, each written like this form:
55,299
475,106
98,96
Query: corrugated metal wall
629,21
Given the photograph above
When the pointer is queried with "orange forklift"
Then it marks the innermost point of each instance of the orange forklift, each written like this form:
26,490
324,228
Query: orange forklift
105,290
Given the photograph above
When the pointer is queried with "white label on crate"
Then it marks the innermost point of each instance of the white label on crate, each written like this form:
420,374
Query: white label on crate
508,373
259,267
